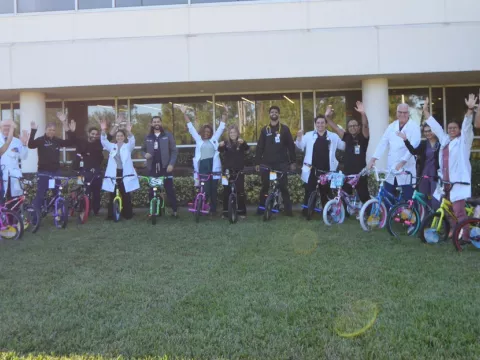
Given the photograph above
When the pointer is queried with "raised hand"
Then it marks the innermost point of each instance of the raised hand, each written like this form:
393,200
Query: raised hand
128,127
241,141
224,117
24,137
471,101
426,107
299,134
360,108
329,112
221,143
402,135
33,125
103,124
61,116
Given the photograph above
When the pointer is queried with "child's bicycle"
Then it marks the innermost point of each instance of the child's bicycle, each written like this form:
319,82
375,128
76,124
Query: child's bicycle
314,204
373,213
31,217
436,227
230,179
157,204
80,197
11,224
117,205
274,201
407,216
56,203
334,211
200,206
472,225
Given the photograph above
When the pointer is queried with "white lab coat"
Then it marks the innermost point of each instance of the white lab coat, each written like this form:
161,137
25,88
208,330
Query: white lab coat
10,163
131,182
459,167
306,145
217,164
398,151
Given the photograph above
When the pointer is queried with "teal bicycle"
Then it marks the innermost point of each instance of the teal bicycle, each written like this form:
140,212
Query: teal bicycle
157,204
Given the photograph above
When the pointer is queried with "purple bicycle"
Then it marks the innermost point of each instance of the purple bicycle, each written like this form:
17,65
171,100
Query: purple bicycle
200,206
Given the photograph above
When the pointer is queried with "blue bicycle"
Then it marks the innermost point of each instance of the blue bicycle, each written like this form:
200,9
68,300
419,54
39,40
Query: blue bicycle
56,203
374,212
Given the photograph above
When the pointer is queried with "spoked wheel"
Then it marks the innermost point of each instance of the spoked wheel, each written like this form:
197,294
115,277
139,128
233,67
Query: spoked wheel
232,208
116,210
334,212
198,208
467,232
31,219
403,220
432,231
153,210
11,225
373,215
267,215
61,217
83,209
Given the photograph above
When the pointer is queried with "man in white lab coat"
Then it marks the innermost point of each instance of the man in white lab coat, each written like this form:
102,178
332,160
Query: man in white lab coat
398,155
10,161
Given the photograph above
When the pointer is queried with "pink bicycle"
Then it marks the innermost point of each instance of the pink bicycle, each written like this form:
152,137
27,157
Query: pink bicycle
334,212
200,206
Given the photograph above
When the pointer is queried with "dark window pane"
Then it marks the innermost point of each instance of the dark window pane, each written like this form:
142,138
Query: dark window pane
456,107
308,112
343,103
127,3
94,4
51,117
86,112
437,105
415,98
289,105
25,6
6,6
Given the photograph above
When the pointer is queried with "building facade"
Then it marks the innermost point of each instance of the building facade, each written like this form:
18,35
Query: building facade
146,57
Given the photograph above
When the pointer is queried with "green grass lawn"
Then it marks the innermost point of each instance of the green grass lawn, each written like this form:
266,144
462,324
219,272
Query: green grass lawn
247,291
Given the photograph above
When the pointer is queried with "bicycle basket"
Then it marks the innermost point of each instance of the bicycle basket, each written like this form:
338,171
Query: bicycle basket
156,182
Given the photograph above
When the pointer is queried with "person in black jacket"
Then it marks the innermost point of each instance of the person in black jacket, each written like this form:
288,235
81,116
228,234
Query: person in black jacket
427,162
48,147
234,150
276,150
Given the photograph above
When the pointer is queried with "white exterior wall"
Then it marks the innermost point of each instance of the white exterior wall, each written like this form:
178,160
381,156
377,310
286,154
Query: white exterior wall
230,41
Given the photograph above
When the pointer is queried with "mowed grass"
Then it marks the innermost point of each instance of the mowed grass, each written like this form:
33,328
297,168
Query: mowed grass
252,290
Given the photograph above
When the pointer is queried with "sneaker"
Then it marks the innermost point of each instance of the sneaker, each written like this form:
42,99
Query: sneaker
175,215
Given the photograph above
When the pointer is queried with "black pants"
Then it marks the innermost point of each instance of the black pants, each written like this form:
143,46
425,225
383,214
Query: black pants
283,183
168,183
127,211
311,186
42,187
240,186
362,189
93,191
205,167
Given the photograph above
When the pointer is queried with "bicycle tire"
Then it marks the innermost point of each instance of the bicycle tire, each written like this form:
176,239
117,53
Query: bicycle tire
198,209
326,211
312,201
13,225
428,221
161,207
153,210
61,218
457,242
33,217
267,215
392,218
381,223
232,209
83,209
116,210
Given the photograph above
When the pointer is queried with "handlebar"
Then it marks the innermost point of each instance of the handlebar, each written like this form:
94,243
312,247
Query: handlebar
278,171
115,178
390,172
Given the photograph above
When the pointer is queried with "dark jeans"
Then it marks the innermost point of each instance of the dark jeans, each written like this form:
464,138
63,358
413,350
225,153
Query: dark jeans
283,183
42,187
428,187
407,190
168,183
361,188
127,211
240,186
205,166
312,185
93,191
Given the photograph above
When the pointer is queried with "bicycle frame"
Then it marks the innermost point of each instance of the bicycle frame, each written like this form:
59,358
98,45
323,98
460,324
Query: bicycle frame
275,188
201,194
155,187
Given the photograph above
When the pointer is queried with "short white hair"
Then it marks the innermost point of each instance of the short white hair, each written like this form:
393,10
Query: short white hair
402,105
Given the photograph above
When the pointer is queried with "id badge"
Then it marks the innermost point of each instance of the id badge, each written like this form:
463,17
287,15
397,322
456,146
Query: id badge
155,145
224,180
277,139
51,183
273,175
79,180
357,149
81,164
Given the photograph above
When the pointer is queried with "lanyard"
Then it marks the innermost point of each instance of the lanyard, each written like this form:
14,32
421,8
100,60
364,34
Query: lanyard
269,129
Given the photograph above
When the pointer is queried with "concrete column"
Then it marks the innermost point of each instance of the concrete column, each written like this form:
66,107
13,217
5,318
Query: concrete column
32,108
375,99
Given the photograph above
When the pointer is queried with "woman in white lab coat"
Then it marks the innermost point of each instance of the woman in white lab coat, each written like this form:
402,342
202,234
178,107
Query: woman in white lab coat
120,164
454,158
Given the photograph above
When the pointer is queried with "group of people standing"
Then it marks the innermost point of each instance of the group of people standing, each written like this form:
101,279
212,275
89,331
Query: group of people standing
441,154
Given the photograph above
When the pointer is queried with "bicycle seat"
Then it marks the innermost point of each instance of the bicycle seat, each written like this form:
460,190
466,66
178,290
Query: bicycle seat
473,202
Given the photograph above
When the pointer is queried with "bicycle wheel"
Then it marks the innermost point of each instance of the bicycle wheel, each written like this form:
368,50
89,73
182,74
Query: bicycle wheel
61,217
403,220
161,203
267,215
198,208
83,208
334,212
153,210
116,210
312,203
11,225
431,232
31,219
373,215
232,208
472,225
